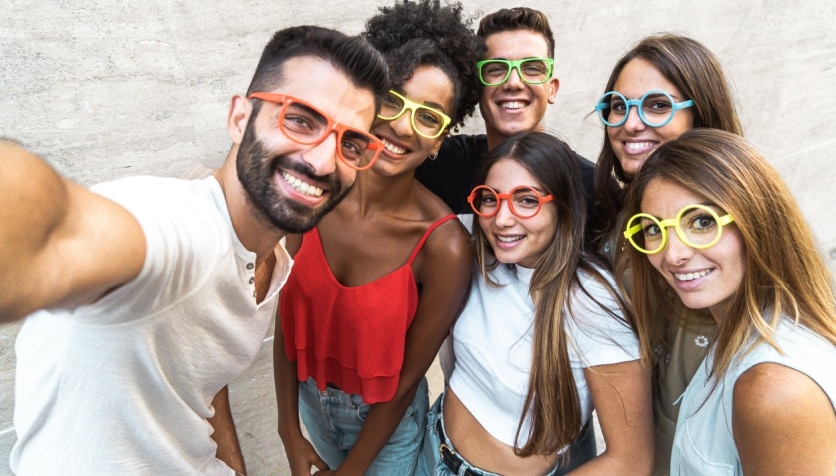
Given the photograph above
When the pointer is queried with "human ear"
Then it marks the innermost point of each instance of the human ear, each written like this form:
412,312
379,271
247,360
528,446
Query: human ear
239,114
553,85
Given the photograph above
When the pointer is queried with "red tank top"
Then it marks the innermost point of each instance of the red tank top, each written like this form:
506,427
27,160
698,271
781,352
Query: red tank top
354,337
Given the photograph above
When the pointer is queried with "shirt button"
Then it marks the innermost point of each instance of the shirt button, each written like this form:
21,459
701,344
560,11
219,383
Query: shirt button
252,280
250,266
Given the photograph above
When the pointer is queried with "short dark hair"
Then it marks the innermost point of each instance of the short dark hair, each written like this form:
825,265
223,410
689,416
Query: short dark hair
519,18
352,55
413,34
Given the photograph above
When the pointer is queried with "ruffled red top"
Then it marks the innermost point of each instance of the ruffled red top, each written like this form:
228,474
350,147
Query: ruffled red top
351,336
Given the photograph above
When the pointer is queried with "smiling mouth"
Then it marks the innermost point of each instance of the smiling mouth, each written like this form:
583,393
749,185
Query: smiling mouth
508,239
302,187
394,149
512,105
637,146
692,276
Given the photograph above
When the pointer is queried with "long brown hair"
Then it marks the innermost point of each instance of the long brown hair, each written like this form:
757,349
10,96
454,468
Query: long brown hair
552,398
695,71
784,274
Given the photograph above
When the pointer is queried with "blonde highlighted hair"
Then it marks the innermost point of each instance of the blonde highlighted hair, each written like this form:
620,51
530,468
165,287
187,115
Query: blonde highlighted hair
784,274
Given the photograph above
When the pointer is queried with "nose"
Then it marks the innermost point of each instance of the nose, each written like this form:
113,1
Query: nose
402,126
676,252
514,79
322,157
504,217
634,122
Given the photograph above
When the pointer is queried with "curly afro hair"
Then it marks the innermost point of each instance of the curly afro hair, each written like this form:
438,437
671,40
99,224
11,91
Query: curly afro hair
413,34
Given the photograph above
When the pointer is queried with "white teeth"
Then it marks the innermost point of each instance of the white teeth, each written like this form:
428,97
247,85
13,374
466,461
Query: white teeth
513,105
691,276
397,150
508,239
302,187
638,145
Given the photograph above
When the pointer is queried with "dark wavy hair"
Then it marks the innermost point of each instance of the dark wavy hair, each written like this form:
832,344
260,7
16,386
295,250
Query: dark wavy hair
517,18
413,34
350,54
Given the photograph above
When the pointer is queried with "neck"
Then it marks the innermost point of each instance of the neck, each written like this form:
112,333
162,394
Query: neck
377,193
255,233
495,137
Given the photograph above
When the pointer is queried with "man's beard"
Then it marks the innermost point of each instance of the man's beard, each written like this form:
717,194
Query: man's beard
256,168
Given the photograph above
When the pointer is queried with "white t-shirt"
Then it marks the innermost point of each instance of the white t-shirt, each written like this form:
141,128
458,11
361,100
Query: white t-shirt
125,385
492,344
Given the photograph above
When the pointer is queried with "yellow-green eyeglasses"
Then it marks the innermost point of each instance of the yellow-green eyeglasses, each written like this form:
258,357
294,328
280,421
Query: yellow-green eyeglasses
698,226
426,121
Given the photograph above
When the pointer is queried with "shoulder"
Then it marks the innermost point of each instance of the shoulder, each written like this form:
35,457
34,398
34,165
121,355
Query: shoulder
770,395
449,240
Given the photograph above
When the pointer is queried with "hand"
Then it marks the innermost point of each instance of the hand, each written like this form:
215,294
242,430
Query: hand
302,457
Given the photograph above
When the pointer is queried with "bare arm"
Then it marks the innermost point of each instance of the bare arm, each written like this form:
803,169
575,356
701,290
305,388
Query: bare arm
445,275
783,423
301,455
60,244
229,451
622,396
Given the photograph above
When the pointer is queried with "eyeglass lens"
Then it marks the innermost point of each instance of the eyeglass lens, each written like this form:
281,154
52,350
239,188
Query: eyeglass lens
696,228
307,126
656,108
524,202
426,121
495,72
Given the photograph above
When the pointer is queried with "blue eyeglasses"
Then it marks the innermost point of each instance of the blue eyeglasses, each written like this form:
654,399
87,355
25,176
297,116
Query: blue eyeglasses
656,108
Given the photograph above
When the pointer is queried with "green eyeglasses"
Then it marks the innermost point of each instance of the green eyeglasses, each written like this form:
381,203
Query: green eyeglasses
698,226
493,72
426,121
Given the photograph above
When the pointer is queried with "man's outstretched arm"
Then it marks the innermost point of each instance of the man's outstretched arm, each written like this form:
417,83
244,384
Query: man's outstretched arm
60,244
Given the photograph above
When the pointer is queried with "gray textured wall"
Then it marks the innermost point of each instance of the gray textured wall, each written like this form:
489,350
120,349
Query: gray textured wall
105,89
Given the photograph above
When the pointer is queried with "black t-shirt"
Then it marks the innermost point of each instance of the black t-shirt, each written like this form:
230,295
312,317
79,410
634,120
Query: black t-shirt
451,176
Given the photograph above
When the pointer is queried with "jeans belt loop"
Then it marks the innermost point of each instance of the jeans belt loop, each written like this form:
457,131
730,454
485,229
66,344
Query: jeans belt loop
448,455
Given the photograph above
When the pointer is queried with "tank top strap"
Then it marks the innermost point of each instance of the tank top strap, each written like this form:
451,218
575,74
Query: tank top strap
427,235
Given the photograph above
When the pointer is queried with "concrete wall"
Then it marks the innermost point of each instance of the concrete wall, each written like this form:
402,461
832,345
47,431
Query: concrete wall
107,88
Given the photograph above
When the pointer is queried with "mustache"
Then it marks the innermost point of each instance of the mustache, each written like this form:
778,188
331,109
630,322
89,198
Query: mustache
303,169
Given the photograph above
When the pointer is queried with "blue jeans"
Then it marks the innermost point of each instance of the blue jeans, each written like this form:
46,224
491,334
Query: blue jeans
334,419
430,463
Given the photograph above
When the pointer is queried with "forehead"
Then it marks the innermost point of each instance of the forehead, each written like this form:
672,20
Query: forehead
320,84
665,199
506,174
640,76
429,85
517,44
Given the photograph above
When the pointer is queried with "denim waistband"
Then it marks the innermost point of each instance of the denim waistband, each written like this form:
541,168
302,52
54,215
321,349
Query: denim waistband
449,456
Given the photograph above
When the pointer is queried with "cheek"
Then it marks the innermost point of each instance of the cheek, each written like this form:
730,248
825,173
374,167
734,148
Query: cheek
485,225
611,135
346,175
656,261
680,123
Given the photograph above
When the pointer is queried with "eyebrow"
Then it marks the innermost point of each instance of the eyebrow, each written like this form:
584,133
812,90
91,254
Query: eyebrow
705,204
431,104
521,59
535,187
